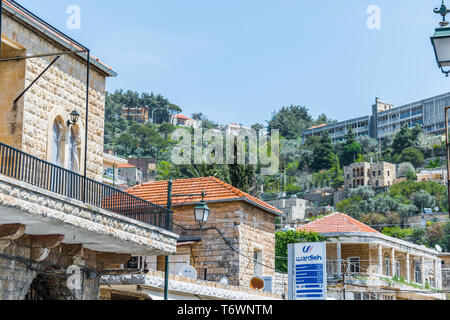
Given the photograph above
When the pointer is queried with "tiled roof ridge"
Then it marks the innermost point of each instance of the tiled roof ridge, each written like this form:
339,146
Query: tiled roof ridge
351,222
239,195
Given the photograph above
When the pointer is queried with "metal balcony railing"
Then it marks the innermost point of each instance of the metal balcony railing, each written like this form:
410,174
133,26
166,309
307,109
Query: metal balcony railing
19,165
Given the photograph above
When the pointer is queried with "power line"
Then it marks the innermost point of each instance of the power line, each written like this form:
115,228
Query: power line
392,16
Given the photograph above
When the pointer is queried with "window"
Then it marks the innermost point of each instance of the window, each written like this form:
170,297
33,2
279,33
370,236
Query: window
354,265
57,143
377,183
374,173
257,263
133,263
74,150
387,267
397,269
379,172
417,272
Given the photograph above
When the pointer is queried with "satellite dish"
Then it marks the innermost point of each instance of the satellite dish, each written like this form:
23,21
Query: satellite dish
438,248
224,281
257,283
436,209
188,272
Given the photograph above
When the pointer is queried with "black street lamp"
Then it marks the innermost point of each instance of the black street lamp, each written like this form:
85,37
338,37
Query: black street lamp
74,117
441,40
201,215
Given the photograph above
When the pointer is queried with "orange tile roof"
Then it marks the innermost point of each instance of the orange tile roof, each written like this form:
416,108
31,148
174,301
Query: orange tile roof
319,126
215,189
336,222
179,116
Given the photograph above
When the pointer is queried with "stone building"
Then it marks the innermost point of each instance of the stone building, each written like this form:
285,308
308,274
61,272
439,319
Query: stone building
183,121
294,209
241,248
375,266
147,166
111,170
140,114
376,175
445,257
59,229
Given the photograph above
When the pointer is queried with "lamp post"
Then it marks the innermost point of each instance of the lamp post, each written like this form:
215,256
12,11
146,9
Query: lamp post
441,45
201,214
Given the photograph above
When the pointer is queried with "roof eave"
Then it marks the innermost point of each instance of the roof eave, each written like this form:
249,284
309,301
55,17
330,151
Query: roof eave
380,236
16,15
232,200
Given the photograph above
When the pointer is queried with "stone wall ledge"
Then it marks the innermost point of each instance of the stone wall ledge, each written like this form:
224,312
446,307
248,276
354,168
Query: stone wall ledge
178,284
40,203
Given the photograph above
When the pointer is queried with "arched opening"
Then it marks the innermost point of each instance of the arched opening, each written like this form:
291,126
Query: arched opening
46,287
58,134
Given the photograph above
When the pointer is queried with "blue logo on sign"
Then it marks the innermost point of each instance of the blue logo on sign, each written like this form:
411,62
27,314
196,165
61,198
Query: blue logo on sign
307,249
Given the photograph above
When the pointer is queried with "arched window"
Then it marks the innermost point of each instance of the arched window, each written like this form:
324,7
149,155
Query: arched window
58,143
74,150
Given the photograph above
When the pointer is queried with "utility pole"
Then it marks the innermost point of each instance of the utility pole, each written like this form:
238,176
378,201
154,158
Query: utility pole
448,156
167,259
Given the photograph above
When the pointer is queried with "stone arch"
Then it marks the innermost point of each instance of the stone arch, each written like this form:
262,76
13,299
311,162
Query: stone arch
47,287
60,115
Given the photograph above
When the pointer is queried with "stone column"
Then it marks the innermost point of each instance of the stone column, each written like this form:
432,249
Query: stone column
15,277
422,269
339,260
438,274
380,259
393,262
408,268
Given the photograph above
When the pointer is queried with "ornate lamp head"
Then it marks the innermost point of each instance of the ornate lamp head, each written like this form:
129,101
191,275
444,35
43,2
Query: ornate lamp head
443,11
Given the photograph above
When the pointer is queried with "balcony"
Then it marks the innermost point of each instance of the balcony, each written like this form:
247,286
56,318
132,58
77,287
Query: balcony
49,199
45,175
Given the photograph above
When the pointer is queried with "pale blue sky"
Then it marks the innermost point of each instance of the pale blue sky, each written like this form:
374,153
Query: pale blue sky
240,60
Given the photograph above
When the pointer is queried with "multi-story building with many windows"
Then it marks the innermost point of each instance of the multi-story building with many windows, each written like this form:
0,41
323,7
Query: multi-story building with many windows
386,119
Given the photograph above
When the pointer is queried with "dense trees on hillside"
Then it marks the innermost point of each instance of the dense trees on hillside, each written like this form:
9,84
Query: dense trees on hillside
316,162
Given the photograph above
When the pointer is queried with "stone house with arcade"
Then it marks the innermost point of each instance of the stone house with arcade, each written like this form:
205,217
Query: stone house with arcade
373,266
55,217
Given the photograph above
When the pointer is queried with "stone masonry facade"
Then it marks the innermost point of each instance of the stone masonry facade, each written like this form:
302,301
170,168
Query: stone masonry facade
246,228
377,175
21,277
61,90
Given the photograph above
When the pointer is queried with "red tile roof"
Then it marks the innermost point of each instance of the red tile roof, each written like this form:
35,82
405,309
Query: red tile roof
215,189
125,165
336,222
319,126
179,116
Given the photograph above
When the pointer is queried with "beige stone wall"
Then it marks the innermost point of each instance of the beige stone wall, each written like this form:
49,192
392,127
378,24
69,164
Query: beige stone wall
379,174
245,227
385,174
16,279
357,174
60,91
257,232
213,254
12,83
